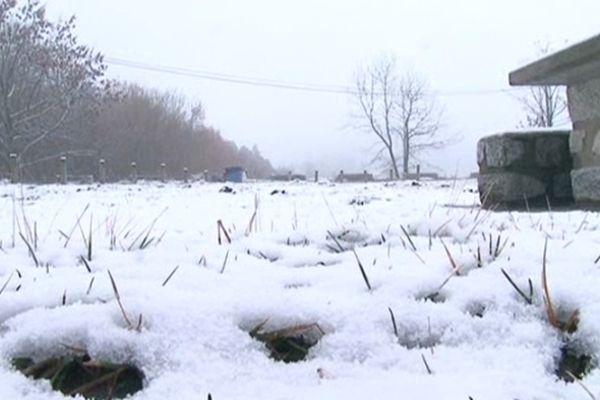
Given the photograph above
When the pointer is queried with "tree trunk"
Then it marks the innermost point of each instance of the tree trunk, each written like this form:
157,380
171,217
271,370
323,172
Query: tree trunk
394,163
405,155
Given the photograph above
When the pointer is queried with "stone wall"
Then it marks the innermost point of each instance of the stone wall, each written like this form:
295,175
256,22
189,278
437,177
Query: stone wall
525,169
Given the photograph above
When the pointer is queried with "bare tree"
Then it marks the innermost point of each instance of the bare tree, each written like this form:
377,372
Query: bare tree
152,127
376,93
47,80
399,111
544,106
419,120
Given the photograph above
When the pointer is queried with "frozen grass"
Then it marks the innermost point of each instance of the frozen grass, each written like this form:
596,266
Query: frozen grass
300,290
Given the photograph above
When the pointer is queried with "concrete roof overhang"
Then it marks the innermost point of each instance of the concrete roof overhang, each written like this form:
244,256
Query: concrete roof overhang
575,64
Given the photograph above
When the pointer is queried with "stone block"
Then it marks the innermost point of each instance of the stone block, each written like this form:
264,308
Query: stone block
481,152
561,186
586,185
502,151
596,143
551,151
584,100
507,187
576,140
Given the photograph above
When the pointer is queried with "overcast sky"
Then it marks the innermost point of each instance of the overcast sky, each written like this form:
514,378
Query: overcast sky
464,48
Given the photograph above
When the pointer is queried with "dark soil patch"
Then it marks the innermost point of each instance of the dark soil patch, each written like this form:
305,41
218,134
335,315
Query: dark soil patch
289,344
573,363
80,375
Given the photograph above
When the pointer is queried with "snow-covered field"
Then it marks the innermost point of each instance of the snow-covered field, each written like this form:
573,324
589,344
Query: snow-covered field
478,337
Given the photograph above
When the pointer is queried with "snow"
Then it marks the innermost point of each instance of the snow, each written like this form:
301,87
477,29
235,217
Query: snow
483,340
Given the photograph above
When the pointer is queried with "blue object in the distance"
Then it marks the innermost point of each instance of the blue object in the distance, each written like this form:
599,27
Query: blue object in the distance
234,174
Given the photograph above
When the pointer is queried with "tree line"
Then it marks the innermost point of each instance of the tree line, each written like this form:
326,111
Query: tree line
56,101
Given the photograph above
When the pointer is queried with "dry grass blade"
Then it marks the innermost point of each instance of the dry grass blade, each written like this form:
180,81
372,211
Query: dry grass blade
485,196
550,311
87,387
497,248
293,330
480,220
64,298
444,283
146,240
501,248
527,205
430,241
89,289
140,323
83,237
170,276
576,379
583,223
118,297
455,268
429,371
31,251
14,221
6,283
393,322
85,264
442,226
254,331
362,270
221,228
528,299
408,238
224,262
252,223
597,259
336,241
89,255
68,237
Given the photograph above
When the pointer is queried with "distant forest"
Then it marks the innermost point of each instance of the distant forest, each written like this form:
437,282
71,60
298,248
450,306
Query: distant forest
56,101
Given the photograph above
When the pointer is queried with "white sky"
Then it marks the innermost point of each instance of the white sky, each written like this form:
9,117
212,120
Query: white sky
458,46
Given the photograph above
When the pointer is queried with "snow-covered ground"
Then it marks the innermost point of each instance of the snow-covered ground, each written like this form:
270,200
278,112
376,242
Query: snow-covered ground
478,337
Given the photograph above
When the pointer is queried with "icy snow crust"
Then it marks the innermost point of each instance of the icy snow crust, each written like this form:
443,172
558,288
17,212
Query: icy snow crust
482,341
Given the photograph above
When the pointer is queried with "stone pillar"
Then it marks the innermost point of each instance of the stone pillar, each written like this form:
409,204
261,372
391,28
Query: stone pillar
578,68
584,109
102,170
134,174
63,170
163,172
14,168
185,175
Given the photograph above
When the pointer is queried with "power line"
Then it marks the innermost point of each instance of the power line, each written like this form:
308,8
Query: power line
229,78
272,83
